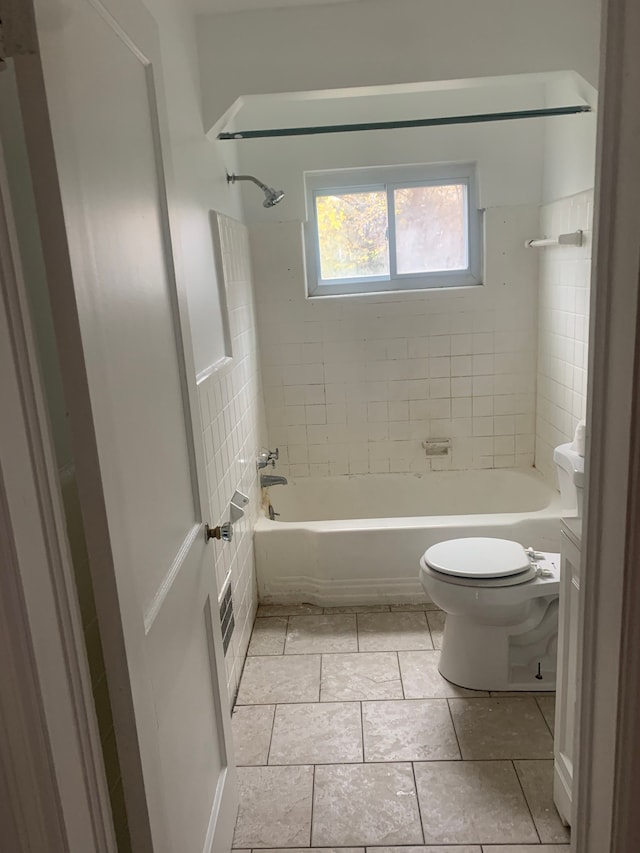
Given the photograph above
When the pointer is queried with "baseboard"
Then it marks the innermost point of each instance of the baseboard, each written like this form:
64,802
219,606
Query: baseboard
336,593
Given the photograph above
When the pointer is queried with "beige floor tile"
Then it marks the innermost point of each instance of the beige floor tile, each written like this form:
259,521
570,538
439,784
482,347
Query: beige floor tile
252,726
436,618
500,728
321,634
526,848
318,849
267,637
421,605
390,632
356,677
409,730
547,705
275,807
473,802
268,680
318,733
421,679
365,804
287,609
358,608
521,694
537,783
467,848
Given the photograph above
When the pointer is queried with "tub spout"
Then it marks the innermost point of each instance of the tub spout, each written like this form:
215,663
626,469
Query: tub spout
267,480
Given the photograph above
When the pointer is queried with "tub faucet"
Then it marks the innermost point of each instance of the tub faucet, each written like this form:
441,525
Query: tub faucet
267,480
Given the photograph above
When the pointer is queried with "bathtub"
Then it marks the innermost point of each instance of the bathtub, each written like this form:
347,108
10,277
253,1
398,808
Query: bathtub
358,539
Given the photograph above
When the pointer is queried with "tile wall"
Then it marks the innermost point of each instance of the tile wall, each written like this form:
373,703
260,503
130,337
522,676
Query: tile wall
232,420
354,385
562,328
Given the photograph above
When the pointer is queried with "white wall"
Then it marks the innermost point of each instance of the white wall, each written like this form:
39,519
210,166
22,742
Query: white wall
354,385
377,42
509,157
570,146
199,169
563,328
233,426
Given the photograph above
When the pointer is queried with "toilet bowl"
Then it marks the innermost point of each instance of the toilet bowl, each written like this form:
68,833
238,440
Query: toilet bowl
501,603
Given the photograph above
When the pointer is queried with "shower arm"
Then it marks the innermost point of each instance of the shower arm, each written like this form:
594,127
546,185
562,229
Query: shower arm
231,179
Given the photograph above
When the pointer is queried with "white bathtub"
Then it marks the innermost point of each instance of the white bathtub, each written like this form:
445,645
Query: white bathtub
358,539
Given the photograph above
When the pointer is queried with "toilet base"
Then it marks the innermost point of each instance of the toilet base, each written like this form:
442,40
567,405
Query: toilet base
502,657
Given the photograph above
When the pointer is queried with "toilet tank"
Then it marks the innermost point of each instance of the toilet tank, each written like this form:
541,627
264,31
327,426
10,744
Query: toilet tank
570,467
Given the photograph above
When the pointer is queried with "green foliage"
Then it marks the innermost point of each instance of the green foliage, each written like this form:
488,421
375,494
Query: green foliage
430,231
352,230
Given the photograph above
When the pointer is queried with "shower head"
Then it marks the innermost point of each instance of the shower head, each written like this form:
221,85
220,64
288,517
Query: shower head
271,196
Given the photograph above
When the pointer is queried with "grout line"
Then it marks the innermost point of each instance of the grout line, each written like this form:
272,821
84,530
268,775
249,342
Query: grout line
357,633
273,726
400,675
320,680
313,795
455,731
401,761
515,770
545,720
415,786
362,730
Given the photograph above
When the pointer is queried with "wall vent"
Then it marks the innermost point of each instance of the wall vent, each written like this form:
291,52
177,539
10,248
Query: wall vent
226,619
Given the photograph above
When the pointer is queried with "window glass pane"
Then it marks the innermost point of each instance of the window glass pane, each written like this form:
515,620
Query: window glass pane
352,234
431,233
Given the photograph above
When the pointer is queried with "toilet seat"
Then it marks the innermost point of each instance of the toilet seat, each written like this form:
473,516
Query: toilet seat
481,561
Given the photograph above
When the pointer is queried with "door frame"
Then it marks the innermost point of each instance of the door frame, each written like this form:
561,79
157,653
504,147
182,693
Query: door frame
53,788
606,817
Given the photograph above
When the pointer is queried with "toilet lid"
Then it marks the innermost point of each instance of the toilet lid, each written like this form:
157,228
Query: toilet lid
478,557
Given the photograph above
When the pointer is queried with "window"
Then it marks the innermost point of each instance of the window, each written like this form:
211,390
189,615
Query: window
404,228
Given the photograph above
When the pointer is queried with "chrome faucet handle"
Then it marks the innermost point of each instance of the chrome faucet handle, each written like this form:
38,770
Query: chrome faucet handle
273,456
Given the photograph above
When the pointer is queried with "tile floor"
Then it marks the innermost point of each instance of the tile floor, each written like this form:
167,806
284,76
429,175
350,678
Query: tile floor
347,738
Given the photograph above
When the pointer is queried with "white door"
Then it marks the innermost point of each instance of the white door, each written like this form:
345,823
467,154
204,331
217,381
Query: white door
130,388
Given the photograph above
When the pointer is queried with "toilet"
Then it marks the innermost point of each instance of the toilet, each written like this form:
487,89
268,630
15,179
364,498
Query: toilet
501,602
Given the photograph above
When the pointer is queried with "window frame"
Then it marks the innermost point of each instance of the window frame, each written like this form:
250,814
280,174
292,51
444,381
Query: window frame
388,179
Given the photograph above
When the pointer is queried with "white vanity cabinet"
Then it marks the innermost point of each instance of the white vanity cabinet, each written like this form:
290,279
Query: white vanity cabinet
567,689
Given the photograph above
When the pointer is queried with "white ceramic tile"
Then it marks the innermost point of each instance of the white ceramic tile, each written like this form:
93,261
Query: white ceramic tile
321,634
275,807
365,804
408,730
562,335
472,802
317,733
378,358
231,407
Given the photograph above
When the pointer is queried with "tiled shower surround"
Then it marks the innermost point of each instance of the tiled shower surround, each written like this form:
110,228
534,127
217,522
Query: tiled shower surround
354,385
231,410
563,328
